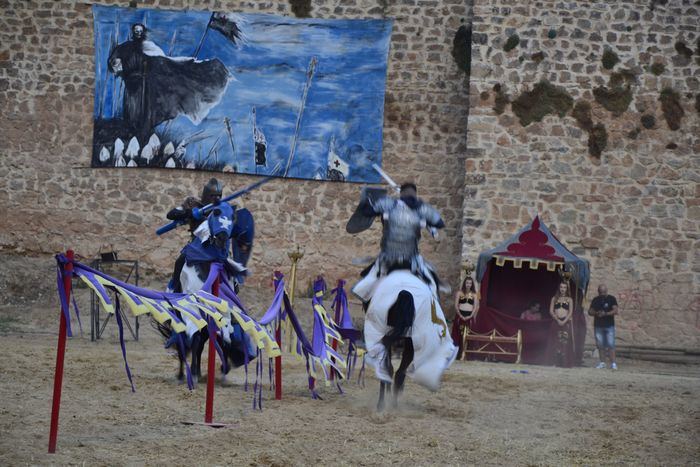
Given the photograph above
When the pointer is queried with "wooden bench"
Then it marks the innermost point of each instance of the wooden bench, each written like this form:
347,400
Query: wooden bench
492,343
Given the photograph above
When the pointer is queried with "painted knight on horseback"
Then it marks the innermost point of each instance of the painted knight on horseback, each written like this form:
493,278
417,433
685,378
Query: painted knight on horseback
400,291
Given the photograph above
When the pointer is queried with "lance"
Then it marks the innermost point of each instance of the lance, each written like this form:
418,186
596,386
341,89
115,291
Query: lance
201,213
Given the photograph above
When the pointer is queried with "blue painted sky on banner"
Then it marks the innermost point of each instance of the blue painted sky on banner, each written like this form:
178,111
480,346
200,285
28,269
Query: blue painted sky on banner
345,100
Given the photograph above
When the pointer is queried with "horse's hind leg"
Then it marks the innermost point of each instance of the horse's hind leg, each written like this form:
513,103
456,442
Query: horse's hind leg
383,386
197,347
400,376
181,373
381,404
180,359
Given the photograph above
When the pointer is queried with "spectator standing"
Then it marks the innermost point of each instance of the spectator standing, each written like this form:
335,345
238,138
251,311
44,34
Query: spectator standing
603,309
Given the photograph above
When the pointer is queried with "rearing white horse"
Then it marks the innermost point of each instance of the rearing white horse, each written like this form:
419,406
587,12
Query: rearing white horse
405,310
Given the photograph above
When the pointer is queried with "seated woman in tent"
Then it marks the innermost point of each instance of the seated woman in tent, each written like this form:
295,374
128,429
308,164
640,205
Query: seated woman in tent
532,312
561,335
466,305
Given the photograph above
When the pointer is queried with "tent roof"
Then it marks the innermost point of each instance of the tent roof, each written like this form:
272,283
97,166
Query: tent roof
535,243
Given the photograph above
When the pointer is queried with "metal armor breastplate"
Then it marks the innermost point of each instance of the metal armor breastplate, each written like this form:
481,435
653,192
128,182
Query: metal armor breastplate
401,233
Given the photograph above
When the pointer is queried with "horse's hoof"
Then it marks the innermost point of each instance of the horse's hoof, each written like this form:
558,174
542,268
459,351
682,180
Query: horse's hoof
225,381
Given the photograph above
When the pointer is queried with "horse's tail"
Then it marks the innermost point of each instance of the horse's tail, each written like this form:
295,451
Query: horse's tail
163,329
169,337
400,318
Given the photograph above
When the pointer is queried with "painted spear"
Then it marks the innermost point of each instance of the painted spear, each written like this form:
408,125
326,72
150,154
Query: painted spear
309,75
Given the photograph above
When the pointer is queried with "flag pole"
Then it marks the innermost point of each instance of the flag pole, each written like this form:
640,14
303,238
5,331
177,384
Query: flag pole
201,41
309,75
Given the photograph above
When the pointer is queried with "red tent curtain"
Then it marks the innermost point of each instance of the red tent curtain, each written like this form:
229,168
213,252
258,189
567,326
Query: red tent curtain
506,292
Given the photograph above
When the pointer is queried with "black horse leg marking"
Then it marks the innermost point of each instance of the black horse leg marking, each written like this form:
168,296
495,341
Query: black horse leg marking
384,386
181,359
400,376
197,347
380,403
181,373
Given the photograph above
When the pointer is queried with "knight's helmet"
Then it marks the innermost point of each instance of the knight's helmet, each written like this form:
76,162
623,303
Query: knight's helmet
212,189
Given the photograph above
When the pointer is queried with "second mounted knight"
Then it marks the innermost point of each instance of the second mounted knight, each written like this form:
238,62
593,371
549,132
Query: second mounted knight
403,219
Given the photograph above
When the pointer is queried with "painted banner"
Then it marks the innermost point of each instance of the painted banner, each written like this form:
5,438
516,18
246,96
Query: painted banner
245,93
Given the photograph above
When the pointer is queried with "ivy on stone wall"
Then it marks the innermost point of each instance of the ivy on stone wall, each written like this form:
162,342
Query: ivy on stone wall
582,114
597,140
597,134
617,96
657,68
511,43
537,57
671,107
501,100
634,133
683,49
301,8
648,121
544,99
462,48
610,59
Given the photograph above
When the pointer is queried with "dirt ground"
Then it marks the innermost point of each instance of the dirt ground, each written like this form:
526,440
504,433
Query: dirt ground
485,413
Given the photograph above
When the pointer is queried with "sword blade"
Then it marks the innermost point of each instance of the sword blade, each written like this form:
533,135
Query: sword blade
386,177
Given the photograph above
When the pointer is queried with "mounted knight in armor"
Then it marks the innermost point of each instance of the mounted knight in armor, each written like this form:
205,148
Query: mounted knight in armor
218,233
402,222
400,292
212,236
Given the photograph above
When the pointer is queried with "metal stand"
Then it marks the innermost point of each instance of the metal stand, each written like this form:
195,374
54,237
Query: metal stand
97,328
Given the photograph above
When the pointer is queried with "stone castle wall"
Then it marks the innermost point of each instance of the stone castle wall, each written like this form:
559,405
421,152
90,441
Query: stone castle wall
50,198
603,144
589,113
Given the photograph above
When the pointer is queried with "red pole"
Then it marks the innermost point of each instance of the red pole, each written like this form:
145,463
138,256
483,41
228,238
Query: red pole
60,354
278,364
211,370
278,338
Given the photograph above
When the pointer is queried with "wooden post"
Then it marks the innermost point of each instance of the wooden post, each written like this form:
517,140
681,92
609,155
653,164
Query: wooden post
60,355
211,363
295,256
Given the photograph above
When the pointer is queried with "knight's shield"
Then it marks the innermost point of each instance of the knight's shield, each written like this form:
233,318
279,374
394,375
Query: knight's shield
243,235
360,220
